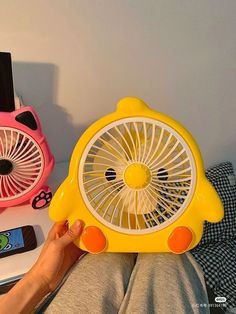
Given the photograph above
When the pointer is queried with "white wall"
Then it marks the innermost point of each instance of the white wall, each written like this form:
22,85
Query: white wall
73,60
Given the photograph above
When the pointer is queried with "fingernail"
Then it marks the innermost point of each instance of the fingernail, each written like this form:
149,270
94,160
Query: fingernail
77,224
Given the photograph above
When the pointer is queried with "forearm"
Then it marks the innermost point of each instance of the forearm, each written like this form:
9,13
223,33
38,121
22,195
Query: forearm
24,296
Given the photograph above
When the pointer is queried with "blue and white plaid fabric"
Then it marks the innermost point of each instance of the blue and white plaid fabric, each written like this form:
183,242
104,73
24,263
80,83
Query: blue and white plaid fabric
216,253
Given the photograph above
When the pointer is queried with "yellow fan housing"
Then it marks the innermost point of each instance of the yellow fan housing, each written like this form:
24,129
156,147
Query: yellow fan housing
137,181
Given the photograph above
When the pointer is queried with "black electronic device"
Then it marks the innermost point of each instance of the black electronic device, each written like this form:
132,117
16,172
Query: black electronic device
7,99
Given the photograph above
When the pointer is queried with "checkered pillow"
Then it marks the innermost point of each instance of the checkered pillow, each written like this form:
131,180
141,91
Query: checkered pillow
223,179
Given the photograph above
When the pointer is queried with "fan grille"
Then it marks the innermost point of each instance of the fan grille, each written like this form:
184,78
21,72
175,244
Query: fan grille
137,175
21,163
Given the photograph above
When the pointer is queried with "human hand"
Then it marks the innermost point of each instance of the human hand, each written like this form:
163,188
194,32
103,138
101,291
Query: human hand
58,255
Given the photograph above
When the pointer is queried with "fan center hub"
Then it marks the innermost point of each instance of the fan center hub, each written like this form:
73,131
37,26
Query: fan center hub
137,176
6,167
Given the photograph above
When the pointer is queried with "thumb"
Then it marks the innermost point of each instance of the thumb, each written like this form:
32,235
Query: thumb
72,233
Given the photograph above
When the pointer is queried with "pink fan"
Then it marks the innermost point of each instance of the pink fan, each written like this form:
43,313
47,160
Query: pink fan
25,158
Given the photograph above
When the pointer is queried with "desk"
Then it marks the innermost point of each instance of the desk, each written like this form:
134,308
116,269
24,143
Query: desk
15,266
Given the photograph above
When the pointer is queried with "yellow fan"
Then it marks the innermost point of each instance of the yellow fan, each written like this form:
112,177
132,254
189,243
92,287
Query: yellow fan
137,181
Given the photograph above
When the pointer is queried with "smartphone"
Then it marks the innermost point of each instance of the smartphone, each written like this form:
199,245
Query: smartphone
17,240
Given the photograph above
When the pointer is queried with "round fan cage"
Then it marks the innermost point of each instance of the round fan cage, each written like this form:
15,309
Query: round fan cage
21,163
137,175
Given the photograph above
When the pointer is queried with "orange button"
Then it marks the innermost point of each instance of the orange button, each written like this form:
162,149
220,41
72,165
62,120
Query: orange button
180,239
94,239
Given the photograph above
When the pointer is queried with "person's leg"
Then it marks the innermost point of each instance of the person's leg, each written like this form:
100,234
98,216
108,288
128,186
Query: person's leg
165,283
97,285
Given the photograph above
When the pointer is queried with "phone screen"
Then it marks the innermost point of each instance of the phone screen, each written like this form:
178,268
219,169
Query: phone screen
11,240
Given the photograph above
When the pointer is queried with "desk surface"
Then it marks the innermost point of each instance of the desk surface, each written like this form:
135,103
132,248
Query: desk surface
14,266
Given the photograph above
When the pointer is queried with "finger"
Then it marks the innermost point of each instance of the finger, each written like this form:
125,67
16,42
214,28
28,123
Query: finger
56,231
53,234
71,234
58,227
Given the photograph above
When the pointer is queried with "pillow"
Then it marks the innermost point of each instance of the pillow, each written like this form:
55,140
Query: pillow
223,179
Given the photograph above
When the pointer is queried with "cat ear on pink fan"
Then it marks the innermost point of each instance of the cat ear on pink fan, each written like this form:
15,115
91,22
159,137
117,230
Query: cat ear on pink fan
28,117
